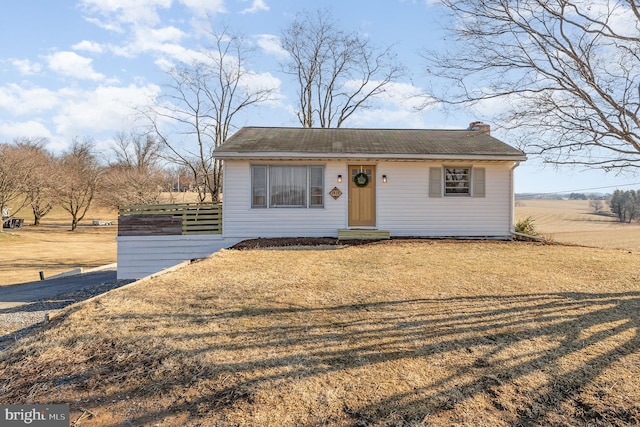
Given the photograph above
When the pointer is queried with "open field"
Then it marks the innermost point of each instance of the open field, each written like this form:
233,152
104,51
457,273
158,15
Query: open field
52,248
572,221
393,334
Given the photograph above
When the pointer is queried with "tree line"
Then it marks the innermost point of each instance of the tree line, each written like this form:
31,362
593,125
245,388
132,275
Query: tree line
33,178
625,205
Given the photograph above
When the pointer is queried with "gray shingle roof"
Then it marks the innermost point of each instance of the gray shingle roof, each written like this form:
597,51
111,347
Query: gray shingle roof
298,143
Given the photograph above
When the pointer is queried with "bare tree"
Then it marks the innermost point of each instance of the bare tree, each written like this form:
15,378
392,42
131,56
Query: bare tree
121,186
201,102
14,171
337,73
565,72
597,205
134,177
138,151
40,181
77,187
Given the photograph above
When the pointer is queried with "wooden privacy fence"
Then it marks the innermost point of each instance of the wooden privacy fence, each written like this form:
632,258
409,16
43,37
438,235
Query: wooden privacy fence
170,219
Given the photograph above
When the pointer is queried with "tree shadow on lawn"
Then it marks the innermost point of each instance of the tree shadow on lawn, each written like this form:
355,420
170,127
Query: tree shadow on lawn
487,346
601,217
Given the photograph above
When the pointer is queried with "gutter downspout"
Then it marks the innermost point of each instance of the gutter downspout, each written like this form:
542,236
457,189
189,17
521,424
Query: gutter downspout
512,226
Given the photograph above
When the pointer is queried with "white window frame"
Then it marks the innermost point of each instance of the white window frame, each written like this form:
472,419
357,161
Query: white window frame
310,194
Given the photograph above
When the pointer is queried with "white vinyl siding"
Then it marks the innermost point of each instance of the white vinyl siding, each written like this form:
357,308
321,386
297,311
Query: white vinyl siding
405,205
141,256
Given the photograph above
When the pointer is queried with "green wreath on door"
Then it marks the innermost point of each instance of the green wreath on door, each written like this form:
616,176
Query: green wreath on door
361,179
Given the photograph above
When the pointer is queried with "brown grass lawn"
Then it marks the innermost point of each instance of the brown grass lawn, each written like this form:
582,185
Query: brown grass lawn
52,248
395,334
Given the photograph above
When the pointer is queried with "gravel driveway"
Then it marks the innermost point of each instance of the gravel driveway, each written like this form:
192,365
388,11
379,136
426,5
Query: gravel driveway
23,307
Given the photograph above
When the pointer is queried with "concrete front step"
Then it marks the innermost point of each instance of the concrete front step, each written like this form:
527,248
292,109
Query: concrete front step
362,234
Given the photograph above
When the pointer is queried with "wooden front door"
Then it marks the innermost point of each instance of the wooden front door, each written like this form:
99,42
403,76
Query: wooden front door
362,196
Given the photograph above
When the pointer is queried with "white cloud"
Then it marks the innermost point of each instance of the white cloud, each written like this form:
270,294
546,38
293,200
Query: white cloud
398,107
26,67
103,109
256,6
204,7
495,107
88,46
270,44
18,100
70,64
116,12
28,129
147,39
621,18
387,118
153,39
254,82
94,112
403,95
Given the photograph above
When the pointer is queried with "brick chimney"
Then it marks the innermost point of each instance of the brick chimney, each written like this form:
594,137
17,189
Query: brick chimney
479,126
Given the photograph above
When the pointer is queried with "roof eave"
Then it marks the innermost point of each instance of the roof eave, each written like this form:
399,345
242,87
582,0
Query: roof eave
363,156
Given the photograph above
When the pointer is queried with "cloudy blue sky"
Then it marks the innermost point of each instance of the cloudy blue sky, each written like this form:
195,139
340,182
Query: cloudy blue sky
81,68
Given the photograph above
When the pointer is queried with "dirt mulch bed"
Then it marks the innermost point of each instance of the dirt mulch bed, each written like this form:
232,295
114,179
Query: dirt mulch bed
283,242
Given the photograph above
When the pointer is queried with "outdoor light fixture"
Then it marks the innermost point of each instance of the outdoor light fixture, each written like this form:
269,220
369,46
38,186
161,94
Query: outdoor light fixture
384,178
339,179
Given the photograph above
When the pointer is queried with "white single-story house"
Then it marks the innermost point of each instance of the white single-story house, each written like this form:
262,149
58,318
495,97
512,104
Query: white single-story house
359,183
290,182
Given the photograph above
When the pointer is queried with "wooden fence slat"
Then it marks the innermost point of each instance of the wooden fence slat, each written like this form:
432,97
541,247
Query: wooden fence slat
195,218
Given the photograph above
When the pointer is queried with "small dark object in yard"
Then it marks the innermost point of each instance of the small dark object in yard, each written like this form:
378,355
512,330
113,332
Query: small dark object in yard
13,223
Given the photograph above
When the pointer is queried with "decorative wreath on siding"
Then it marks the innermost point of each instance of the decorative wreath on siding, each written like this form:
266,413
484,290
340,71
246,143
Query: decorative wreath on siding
361,179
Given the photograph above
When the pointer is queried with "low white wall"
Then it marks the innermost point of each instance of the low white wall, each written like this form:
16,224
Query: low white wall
141,256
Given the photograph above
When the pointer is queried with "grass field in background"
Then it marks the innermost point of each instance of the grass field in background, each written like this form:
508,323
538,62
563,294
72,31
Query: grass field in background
572,221
53,248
